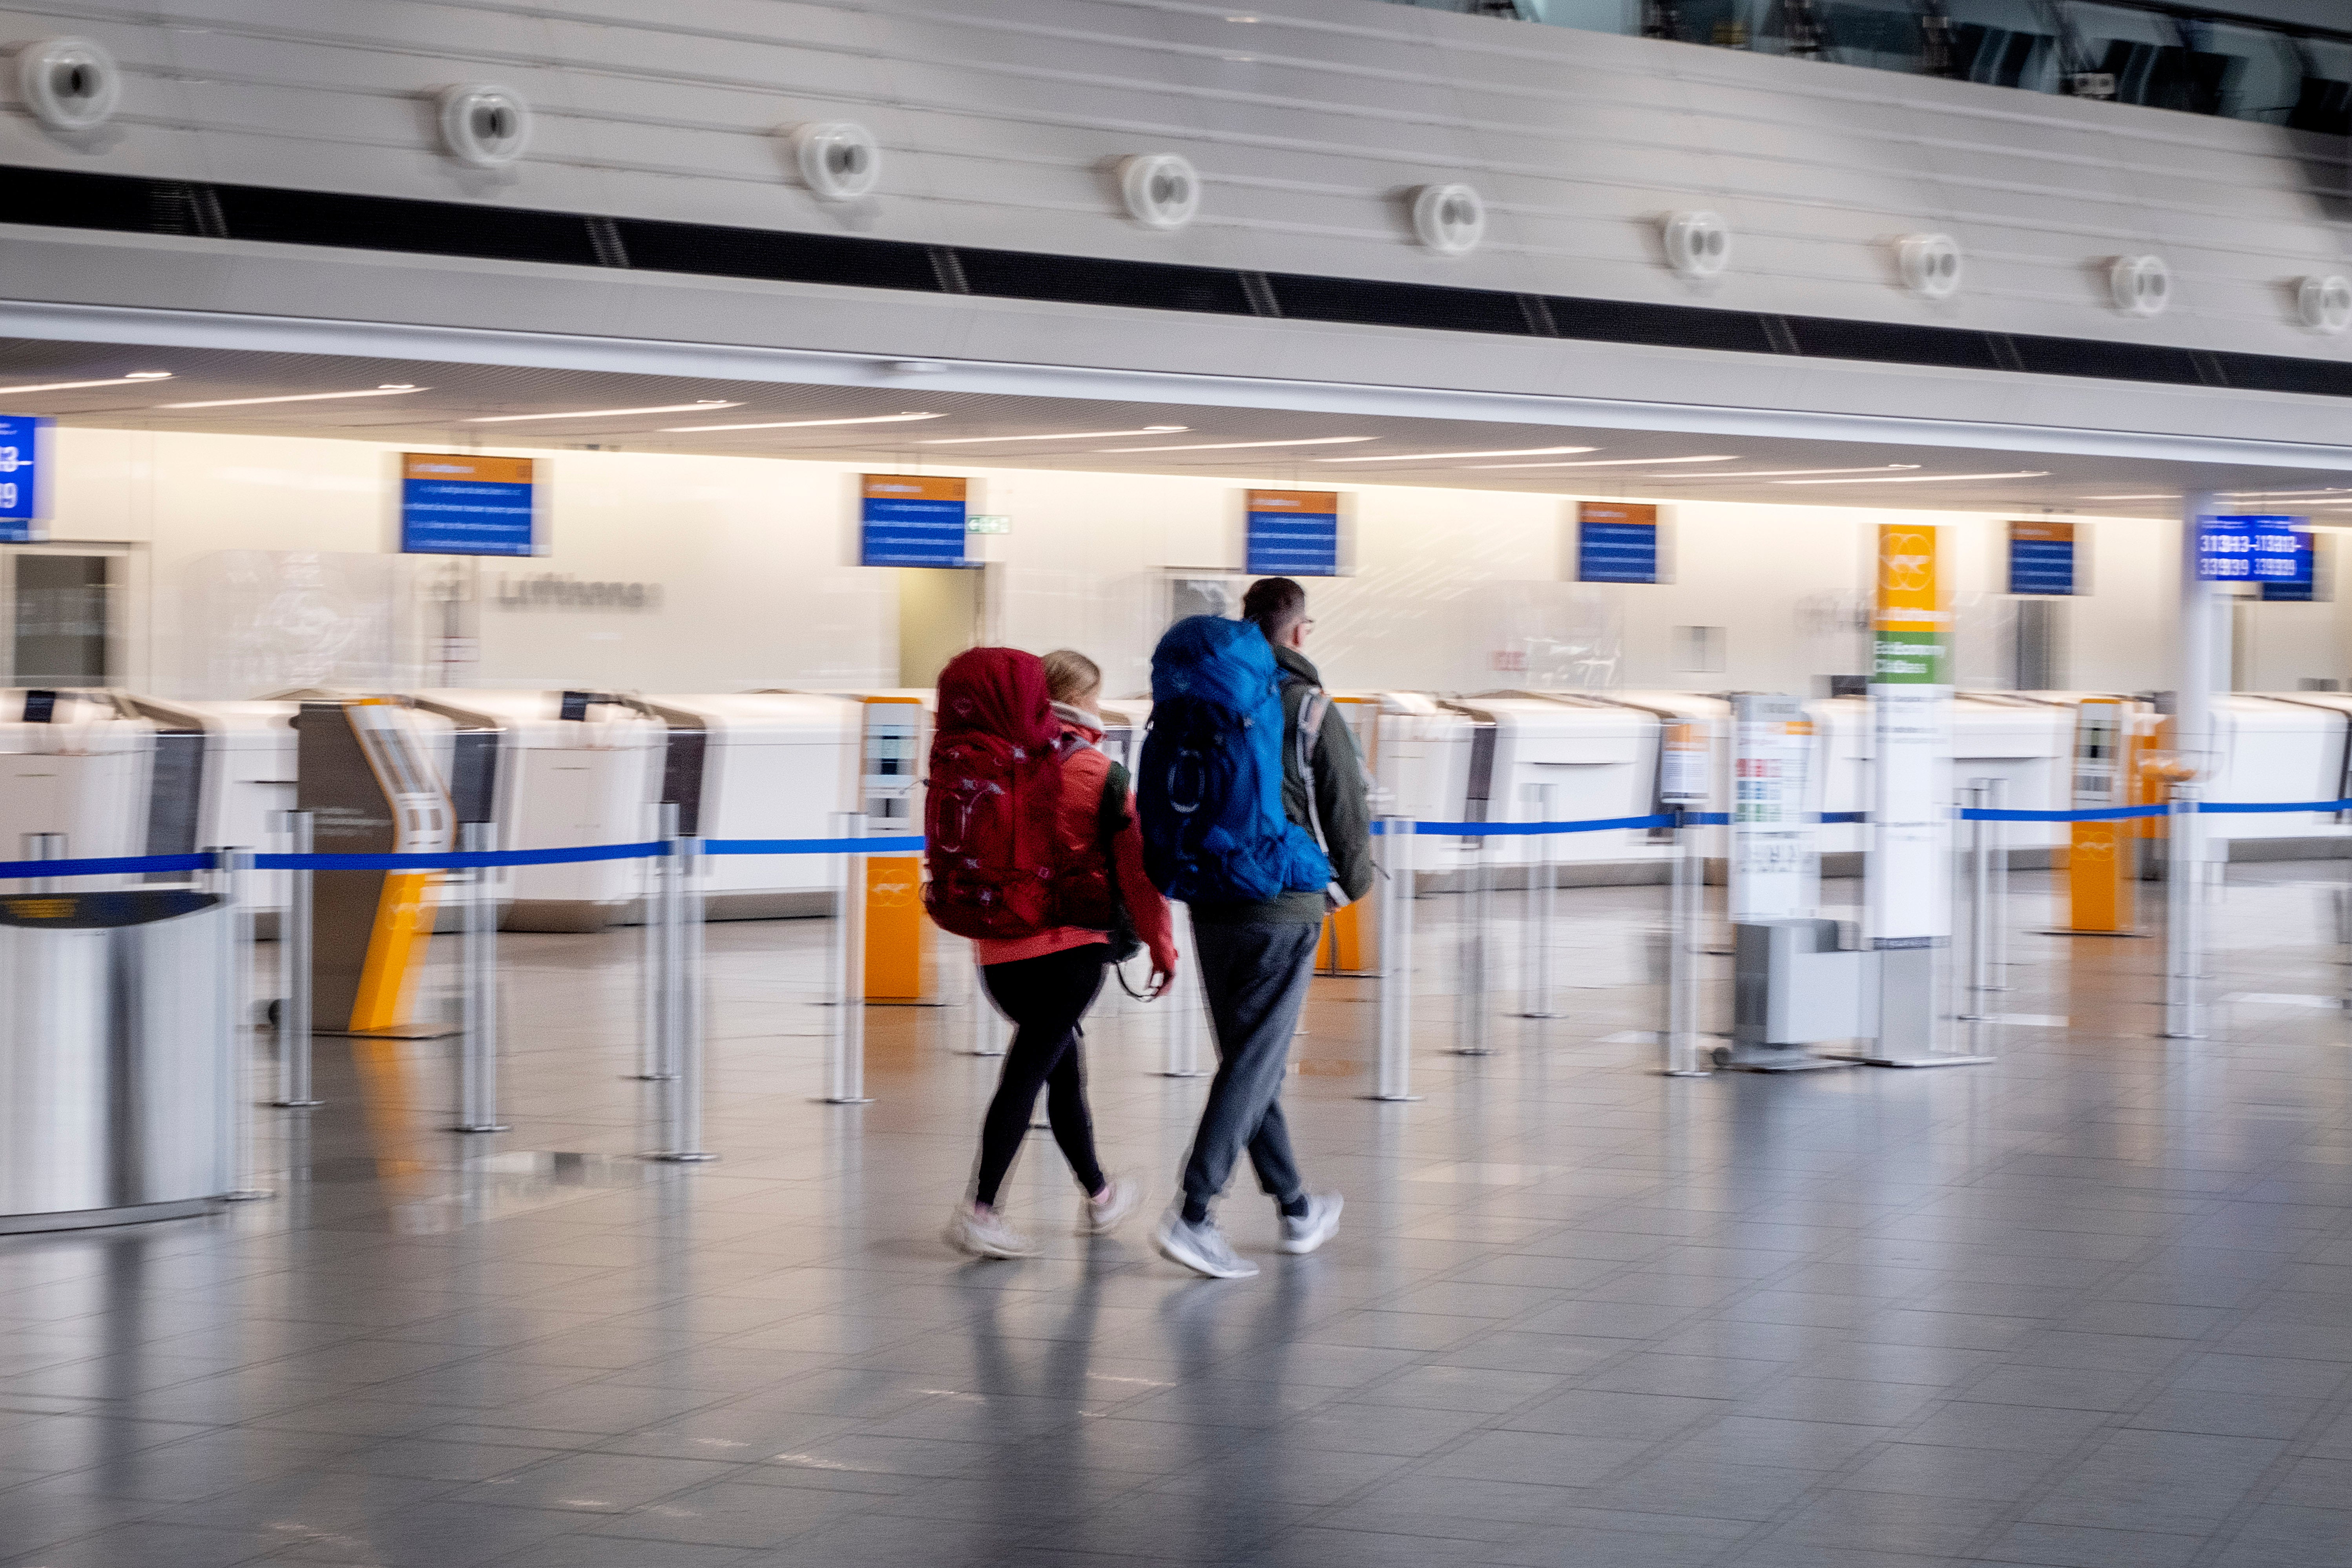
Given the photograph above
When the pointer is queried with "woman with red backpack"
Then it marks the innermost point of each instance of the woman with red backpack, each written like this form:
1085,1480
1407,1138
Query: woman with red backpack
1035,853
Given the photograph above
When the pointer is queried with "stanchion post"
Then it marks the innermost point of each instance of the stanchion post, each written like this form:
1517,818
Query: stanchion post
478,1070
1185,1003
2183,1012
1997,834
1685,906
653,1049
1470,1007
294,936
1393,1079
1543,889
43,847
845,1055
689,1000
1978,1006
236,871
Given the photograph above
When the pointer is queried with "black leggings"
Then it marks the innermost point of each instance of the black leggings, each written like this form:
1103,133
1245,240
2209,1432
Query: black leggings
1045,997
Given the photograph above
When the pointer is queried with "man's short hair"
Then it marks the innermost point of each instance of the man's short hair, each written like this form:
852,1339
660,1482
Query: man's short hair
1275,603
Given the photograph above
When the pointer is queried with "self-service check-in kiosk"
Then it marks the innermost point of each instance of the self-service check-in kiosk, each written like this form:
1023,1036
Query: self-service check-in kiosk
894,741
73,766
368,781
761,764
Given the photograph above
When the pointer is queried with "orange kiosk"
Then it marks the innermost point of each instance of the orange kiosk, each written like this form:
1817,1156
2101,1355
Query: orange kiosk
898,933
2115,741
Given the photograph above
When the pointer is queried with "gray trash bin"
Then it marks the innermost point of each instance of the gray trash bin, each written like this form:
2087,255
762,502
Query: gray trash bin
114,1058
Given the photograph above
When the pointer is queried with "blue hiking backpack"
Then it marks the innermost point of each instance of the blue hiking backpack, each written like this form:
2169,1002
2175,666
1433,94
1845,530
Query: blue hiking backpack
1208,788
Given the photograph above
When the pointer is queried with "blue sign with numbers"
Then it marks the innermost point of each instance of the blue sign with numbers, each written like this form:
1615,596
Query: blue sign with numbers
453,503
2250,548
1616,552
2301,588
24,478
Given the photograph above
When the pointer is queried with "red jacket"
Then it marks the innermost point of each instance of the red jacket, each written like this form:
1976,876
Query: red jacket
1078,819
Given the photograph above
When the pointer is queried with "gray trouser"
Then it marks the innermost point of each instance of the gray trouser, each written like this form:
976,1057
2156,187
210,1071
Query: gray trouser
1256,977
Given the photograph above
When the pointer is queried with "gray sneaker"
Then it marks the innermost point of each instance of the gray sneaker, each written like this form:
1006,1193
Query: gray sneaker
1201,1247
1313,1228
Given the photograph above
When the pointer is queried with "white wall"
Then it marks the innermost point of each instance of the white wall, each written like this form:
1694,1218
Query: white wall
265,566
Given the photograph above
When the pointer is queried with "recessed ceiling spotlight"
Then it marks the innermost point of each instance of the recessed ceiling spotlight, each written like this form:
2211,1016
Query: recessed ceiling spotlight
298,397
1234,445
1058,436
1611,463
1448,457
801,424
1924,478
136,375
695,407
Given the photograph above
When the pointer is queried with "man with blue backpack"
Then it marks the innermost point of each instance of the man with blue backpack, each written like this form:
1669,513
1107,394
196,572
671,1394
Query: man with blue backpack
1254,811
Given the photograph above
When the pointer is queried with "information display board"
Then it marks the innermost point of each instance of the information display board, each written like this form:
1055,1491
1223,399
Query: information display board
1616,541
453,503
1775,867
2041,558
2303,586
24,478
1294,533
1907,900
905,521
2250,548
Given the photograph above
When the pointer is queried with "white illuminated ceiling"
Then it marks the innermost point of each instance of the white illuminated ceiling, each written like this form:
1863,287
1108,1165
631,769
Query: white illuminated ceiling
918,415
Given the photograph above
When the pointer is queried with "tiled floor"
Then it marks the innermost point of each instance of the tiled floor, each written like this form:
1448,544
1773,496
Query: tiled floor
2090,1306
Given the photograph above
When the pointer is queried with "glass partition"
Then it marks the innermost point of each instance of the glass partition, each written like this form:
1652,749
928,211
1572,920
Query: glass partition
2159,53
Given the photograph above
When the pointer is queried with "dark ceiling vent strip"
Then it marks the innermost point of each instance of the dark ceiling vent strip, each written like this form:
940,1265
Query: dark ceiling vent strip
65,199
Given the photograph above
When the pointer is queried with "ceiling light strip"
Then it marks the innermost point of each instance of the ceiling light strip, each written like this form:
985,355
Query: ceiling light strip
1449,456
135,378
298,397
1611,463
1780,473
1059,436
1237,446
1924,478
802,424
706,404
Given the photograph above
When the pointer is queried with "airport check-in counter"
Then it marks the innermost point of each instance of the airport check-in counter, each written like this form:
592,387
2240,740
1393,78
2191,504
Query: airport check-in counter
761,764
2277,747
223,774
75,764
564,770
2025,742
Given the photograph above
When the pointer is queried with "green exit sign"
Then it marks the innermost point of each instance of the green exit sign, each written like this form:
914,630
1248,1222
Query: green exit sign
984,524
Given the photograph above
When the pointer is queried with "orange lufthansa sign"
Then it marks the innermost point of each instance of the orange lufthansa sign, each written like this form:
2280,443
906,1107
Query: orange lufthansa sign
910,487
1311,502
1910,582
449,466
1617,512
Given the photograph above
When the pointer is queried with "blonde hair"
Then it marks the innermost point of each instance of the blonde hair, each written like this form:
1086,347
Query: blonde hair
1071,675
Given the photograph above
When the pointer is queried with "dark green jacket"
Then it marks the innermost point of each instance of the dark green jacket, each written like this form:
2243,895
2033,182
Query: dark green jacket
1340,800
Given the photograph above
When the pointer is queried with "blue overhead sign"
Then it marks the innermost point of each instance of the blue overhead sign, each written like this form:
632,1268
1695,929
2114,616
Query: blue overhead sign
909,520
2303,587
456,504
1616,541
2250,548
1294,533
24,478
2041,558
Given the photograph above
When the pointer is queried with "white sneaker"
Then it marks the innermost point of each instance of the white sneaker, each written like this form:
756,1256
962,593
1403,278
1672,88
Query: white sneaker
1316,1227
1201,1247
1102,1215
982,1233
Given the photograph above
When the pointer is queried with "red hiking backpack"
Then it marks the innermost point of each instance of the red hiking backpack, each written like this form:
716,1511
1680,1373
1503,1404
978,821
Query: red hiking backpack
997,867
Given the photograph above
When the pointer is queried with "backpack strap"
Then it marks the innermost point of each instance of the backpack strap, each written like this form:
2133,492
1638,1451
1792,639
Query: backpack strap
1317,703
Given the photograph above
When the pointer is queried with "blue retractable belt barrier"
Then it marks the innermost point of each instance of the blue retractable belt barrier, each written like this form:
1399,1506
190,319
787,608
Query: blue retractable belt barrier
457,859
907,844
124,864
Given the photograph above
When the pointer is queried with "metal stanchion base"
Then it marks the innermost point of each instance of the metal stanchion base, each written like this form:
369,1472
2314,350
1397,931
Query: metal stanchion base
485,1126
2070,931
296,1104
247,1196
2176,1035
844,1100
1165,1072
1535,1015
1472,1051
682,1159
1396,1099
1685,1072
395,1032
649,1077
1937,1060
